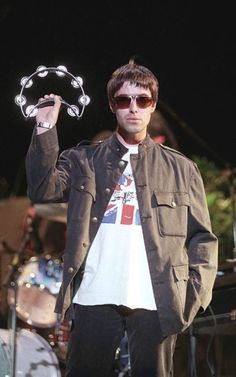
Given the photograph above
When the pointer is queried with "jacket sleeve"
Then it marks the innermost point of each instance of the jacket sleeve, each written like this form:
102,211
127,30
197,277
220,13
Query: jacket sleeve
47,173
202,244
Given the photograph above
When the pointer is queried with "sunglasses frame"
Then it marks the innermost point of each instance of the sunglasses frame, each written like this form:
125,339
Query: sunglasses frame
149,101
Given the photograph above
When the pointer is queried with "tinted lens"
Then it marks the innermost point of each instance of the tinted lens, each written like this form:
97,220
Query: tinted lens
123,102
143,102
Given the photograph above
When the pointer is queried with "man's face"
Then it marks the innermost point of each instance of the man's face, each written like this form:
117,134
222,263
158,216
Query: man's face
133,119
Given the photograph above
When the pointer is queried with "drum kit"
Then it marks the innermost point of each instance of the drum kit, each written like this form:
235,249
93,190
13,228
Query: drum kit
34,343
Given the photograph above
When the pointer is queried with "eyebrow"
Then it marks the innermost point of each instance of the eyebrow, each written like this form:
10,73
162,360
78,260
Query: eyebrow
134,95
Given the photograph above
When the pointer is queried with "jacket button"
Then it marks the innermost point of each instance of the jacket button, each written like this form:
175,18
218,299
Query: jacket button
70,270
173,204
121,164
94,219
107,190
81,187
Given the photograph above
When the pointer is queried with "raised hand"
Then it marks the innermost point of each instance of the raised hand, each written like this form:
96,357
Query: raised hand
49,110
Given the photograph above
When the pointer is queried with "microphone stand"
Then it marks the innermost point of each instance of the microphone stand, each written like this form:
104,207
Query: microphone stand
192,367
10,283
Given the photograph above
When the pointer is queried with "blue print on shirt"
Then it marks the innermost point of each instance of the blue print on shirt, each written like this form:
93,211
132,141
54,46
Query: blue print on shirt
123,202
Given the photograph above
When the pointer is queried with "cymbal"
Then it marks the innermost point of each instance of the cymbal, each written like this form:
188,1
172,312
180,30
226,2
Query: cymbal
52,211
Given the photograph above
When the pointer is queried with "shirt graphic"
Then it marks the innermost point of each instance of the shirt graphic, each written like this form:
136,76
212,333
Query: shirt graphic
123,208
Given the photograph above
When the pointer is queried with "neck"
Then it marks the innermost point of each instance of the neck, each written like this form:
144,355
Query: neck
130,139
124,142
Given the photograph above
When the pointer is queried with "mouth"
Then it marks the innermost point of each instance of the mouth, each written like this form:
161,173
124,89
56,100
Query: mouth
132,119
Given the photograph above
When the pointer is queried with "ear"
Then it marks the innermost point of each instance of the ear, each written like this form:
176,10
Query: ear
154,107
111,107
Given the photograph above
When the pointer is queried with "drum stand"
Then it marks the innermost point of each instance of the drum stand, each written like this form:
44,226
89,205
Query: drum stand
10,282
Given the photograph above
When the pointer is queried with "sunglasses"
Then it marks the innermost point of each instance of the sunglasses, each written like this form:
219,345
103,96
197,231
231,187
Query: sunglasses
123,102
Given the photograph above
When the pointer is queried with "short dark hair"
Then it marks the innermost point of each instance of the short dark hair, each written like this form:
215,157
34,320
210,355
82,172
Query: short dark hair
135,74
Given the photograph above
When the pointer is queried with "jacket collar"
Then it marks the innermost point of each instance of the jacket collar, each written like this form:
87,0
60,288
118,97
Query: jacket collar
120,149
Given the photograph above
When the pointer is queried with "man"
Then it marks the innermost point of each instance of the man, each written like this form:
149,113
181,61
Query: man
140,255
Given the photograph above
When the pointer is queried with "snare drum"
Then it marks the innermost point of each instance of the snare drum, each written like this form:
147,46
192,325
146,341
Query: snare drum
38,284
34,356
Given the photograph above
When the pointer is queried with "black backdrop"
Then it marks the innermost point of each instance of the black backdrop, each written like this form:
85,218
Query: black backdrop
190,46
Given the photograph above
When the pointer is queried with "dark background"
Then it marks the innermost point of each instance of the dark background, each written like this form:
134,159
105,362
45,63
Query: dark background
190,46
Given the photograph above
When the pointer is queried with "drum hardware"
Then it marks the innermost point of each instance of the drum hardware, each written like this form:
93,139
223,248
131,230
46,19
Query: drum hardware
32,298
32,288
10,282
32,285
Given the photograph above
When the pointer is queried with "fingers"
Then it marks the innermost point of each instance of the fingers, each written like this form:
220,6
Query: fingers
48,108
49,97
49,101
57,101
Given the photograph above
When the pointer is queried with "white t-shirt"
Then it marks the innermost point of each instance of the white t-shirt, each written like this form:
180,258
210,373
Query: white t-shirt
116,269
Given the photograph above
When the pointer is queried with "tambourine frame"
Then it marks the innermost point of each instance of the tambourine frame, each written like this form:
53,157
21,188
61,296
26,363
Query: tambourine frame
42,71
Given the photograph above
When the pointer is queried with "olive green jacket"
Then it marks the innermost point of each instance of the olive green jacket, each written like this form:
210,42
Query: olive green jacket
181,248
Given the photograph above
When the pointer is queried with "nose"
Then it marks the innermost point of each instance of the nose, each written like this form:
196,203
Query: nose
133,106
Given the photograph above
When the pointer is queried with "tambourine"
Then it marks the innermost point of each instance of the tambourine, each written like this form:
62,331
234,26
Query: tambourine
61,71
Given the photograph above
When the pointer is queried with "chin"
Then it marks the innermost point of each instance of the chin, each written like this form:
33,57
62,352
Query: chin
133,129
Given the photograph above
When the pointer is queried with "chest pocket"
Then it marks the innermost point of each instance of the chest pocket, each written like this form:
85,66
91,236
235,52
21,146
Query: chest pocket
172,212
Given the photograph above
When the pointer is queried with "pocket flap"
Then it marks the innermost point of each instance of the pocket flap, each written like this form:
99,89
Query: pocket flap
172,199
181,272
